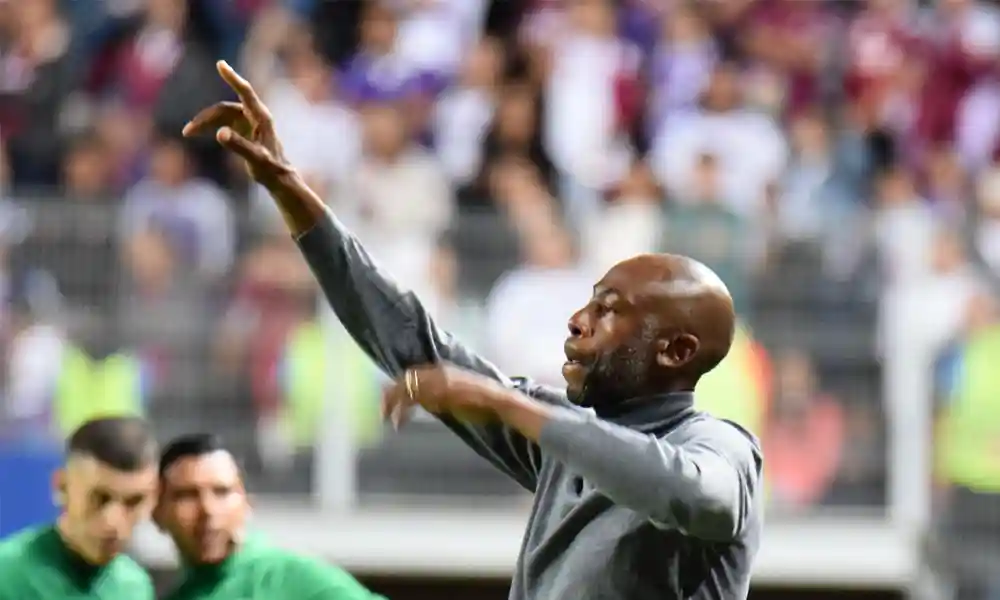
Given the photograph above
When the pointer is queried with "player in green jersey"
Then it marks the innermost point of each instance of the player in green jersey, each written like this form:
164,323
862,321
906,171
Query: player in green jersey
108,484
203,507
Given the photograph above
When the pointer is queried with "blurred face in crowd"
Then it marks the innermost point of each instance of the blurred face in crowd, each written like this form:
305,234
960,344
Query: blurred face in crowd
706,179
895,188
947,252
484,64
385,131
167,14
203,506
516,116
102,505
982,311
809,136
988,193
87,169
684,26
169,163
152,260
593,17
796,383
307,69
548,248
378,29
946,174
33,14
723,89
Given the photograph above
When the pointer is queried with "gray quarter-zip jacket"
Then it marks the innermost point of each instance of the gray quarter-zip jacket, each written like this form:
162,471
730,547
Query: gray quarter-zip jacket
653,501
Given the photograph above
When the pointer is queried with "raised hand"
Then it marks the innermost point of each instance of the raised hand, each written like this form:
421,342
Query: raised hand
245,128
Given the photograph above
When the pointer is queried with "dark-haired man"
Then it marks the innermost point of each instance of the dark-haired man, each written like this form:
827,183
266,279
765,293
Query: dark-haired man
638,496
107,485
203,507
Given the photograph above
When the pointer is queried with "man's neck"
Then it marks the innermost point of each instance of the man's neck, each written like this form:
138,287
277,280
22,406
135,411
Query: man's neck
72,547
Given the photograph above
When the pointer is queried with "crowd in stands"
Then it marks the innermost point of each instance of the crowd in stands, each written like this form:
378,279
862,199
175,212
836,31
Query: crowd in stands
836,162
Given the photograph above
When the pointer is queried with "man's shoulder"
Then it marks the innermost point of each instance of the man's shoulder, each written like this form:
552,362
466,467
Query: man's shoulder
308,575
727,437
22,546
127,570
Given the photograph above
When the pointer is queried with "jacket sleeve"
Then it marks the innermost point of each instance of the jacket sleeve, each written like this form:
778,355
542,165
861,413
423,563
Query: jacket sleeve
392,326
704,481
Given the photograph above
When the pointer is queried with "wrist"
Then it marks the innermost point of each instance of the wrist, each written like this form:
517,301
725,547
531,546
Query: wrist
299,205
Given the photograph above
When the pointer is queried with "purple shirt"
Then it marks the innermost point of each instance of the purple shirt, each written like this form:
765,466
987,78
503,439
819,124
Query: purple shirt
369,78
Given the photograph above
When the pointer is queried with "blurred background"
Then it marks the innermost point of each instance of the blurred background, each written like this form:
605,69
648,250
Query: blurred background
837,162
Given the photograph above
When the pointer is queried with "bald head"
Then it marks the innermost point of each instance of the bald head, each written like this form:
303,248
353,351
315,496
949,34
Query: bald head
656,323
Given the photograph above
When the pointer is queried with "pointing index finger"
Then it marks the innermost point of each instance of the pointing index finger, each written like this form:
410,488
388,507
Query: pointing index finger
248,96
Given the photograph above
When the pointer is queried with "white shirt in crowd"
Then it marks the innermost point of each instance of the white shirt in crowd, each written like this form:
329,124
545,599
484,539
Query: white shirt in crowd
750,148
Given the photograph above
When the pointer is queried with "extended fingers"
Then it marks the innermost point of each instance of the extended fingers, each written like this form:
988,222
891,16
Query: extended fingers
251,152
248,96
222,114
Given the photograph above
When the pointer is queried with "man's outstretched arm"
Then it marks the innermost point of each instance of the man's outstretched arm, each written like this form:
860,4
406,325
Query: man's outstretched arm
392,326
389,323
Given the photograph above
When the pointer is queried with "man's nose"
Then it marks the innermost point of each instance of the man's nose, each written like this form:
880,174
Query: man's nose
579,324
114,518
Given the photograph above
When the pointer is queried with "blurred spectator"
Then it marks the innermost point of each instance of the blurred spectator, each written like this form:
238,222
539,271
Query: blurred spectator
682,64
814,190
435,34
193,213
70,236
937,298
402,199
590,95
309,116
513,311
968,447
382,72
464,113
39,69
948,187
963,46
787,43
34,348
750,149
703,225
804,435
904,227
987,230
630,223
160,73
164,316
740,388
514,134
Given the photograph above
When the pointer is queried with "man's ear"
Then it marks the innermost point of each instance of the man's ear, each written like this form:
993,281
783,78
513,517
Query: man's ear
59,487
676,351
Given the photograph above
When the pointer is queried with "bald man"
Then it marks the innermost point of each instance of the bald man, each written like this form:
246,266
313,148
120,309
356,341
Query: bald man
637,494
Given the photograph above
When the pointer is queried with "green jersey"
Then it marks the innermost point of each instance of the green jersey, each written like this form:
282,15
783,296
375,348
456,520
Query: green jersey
37,565
260,571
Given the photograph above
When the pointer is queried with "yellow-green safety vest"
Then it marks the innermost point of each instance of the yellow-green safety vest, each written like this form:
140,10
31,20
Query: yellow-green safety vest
315,359
733,389
90,389
969,448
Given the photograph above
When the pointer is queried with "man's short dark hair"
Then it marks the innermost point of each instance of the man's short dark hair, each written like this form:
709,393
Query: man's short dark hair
189,446
122,443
